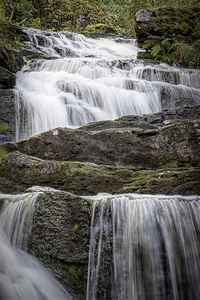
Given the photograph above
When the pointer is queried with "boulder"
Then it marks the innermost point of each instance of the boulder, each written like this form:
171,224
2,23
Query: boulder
143,16
168,22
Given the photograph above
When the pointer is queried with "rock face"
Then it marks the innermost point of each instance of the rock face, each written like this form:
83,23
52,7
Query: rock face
152,154
10,62
60,238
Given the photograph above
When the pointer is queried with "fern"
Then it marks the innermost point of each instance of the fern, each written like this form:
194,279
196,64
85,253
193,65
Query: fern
156,50
149,44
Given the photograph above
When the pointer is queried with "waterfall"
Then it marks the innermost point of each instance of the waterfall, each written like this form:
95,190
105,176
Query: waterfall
87,80
22,277
144,247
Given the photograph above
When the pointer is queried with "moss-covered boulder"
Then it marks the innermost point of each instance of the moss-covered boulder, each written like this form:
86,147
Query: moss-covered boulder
171,34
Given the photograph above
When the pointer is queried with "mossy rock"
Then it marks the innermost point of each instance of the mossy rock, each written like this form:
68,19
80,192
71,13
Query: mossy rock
139,146
178,26
19,172
97,28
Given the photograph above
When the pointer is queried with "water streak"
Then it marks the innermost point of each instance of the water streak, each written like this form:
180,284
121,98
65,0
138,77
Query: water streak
155,248
22,277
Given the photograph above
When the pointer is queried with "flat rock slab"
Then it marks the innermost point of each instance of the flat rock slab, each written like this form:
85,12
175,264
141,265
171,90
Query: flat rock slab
174,145
20,171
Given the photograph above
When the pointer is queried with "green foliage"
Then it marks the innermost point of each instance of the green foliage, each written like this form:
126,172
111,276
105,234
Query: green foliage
160,48
174,35
115,16
72,15
167,49
16,10
173,3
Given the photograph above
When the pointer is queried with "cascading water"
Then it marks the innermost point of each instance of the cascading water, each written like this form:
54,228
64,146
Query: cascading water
144,247
90,80
22,277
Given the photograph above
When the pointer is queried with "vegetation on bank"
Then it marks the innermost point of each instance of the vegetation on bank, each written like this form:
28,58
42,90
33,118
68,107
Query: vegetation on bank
115,16
75,15
71,15
173,35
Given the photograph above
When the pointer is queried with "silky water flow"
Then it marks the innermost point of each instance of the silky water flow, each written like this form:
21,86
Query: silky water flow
22,277
144,248
88,80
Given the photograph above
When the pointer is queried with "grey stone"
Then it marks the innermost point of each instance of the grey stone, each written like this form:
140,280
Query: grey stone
143,16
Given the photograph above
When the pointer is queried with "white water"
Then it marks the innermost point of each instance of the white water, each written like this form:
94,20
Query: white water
144,248
91,80
22,277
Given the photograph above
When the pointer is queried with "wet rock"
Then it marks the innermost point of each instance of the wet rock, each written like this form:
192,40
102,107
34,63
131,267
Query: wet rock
151,121
10,62
11,59
7,79
60,238
7,115
87,163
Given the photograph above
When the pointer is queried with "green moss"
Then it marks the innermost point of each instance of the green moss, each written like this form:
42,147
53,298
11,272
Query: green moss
74,169
3,153
76,228
101,28
3,126
75,273
186,137
173,164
